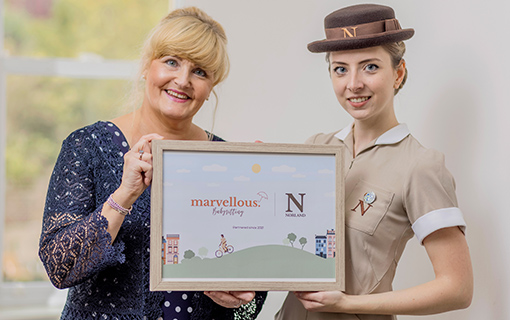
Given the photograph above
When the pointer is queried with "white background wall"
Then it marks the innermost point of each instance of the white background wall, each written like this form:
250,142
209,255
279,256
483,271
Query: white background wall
456,100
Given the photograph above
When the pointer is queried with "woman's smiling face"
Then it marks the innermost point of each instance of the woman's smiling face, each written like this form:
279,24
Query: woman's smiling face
176,88
364,81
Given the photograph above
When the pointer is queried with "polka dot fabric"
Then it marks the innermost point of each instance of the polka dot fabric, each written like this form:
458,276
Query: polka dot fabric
177,305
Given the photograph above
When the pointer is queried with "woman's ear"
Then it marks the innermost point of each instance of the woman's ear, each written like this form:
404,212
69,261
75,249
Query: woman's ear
400,73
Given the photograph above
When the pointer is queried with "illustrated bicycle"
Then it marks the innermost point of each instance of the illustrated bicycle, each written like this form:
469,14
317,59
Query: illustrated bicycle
219,253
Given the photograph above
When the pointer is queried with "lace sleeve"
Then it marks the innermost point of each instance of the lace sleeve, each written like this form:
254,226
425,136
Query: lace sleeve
252,309
74,242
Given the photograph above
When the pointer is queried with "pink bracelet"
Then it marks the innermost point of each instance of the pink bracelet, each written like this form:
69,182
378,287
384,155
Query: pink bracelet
117,207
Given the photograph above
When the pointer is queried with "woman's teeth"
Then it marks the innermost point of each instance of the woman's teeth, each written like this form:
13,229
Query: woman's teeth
177,95
358,100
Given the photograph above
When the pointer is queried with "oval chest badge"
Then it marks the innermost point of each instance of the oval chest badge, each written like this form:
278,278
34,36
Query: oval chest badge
369,197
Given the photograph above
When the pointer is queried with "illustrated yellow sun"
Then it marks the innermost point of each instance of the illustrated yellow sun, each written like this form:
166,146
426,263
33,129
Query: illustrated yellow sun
255,168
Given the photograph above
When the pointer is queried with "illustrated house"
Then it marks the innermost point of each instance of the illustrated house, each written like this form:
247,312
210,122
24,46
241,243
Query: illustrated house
163,251
330,234
170,254
320,246
325,245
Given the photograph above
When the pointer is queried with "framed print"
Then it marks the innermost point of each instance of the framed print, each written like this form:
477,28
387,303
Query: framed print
246,216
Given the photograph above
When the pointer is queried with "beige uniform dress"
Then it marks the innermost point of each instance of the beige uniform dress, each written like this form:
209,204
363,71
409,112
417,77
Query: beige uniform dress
394,188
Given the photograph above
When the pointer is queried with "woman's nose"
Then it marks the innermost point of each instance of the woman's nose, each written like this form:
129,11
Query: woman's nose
182,77
355,82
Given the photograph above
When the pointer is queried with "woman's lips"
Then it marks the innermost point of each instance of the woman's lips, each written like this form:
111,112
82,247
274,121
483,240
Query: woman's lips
358,101
178,95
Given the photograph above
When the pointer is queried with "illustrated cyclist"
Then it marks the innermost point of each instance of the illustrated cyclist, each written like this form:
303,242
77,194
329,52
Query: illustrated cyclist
223,243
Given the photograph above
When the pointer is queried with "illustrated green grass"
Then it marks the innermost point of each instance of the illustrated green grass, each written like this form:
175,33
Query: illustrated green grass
272,261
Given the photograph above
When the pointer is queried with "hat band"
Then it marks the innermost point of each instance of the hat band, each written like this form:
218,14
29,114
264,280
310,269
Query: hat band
365,29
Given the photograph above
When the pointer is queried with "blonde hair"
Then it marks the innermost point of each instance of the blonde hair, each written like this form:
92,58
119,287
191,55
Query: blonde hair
188,33
396,51
191,34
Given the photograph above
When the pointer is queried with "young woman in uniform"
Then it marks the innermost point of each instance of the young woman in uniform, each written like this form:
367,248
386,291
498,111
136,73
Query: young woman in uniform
395,187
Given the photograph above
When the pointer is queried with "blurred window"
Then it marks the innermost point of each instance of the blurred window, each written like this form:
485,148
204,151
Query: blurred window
63,64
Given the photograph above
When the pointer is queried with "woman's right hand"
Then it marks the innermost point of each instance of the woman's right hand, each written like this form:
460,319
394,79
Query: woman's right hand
137,175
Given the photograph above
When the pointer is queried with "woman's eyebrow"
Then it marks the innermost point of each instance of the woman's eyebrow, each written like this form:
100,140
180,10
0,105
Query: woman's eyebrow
360,62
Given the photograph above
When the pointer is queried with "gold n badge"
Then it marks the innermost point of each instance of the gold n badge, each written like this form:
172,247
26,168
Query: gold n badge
348,34
362,204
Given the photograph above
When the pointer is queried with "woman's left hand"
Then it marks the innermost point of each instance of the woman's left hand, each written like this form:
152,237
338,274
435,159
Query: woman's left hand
231,299
324,301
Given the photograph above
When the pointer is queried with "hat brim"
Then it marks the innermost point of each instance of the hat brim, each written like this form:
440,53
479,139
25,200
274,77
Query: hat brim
360,42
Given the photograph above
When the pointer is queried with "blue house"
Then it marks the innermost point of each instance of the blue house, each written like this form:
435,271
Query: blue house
321,246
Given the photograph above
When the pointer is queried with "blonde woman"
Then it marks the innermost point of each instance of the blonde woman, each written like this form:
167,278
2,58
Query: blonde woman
95,237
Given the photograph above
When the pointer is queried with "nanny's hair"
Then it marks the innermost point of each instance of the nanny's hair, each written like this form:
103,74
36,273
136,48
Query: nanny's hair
397,51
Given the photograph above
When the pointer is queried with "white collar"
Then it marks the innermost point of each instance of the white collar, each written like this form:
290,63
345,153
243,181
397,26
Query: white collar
394,135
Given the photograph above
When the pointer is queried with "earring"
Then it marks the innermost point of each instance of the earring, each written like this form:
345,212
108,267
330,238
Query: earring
142,77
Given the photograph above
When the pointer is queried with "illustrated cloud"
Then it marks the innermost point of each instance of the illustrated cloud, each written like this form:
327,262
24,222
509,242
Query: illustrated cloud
283,168
214,168
241,178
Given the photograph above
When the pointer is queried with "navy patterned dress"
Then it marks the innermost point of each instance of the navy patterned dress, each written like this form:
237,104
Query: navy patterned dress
109,281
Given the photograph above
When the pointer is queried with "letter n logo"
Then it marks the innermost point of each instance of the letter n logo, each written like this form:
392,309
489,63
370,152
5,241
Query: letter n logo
348,34
362,204
290,197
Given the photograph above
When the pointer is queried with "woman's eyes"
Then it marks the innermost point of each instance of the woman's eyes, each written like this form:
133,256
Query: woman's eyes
371,67
171,62
340,70
200,73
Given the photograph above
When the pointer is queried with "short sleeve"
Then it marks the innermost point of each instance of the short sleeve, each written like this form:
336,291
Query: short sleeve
430,200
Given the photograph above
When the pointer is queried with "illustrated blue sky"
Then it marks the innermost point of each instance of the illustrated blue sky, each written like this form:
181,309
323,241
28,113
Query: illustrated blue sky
220,176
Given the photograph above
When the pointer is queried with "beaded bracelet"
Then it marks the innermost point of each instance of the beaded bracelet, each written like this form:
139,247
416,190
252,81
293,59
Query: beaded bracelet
117,207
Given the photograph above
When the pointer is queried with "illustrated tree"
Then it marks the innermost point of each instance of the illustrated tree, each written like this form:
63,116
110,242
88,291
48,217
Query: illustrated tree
292,237
302,241
188,254
203,252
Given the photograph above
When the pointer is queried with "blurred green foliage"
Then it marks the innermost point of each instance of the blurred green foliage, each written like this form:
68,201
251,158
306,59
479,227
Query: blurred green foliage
42,111
113,29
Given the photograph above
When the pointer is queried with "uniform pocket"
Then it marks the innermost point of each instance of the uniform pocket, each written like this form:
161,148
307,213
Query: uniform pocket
366,206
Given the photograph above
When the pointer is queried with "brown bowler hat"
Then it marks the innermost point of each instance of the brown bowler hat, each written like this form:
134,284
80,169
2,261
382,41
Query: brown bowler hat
360,26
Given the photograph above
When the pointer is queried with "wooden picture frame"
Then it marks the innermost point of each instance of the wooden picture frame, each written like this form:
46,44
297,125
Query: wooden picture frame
246,216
